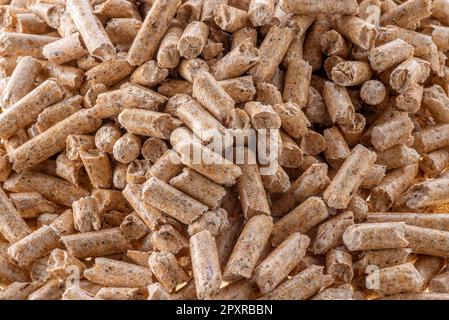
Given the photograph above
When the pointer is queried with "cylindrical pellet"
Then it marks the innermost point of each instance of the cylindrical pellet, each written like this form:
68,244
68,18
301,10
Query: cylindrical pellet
52,140
375,236
152,31
96,243
351,73
199,188
297,81
329,234
411,12
196,118
172,201
302,219
98,168
22,44
339,265
230,19
389,54
408,73
168,54
311,183
338,103
424,194
271,52
205,264
260,12
212,96
167,270
281,261
52,188
64,50
436,102
347,180
12,226
148,123
348,7
236,62
26,110
249,247
34,246
337,149
358,31
112,273
90,28
193,39
439,221
21,81
396,279
432,138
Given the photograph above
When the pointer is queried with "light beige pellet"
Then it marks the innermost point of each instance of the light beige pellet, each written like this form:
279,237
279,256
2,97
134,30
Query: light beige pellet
90,28
339,265
21,81
199,187
166,270
114,273
375,236
95,243
324,6
205,265
301,286
396,279
281,261
193,39
389,54
302,219
212,96
271,52
311,183
12,226
236,62
52,188
249,248
347,180
172,201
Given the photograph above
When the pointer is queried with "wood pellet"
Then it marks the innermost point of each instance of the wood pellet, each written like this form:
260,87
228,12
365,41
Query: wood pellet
214,149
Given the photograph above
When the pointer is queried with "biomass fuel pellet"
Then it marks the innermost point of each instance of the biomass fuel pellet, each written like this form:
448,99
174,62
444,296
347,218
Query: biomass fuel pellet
224,149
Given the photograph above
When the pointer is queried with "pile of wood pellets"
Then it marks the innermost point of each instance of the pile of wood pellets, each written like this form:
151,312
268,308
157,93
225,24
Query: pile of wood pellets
106,103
